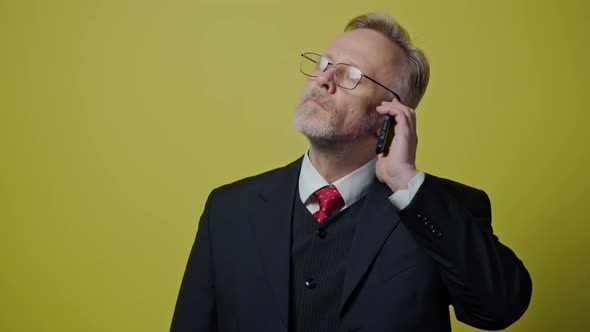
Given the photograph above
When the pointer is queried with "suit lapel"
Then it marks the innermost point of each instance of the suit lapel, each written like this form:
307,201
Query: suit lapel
271,224
379,219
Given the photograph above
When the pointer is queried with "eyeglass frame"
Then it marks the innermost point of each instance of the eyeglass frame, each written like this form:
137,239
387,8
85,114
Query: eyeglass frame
304,55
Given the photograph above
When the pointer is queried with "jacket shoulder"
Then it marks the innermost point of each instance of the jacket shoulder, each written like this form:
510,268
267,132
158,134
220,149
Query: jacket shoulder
451,186
257,182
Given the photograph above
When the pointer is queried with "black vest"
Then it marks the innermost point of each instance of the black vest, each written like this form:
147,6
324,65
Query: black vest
319,254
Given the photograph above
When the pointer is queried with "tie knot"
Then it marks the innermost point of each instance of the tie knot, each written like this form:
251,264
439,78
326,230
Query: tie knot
329,199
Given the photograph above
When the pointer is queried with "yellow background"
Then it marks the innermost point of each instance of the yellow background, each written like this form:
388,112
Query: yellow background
118,117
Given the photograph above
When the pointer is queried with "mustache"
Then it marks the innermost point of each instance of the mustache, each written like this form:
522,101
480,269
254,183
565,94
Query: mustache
318,95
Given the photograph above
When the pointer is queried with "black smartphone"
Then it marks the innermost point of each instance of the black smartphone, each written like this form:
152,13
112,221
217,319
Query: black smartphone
386,134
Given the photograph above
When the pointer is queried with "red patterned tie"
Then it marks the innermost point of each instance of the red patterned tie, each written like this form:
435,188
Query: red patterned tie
329,199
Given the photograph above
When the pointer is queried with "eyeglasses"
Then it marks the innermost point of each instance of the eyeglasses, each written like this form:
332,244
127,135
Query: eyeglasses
344,75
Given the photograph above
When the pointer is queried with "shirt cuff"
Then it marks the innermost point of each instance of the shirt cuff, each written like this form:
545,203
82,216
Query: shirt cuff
402,198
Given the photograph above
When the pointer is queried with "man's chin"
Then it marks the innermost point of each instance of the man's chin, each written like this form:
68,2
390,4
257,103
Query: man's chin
311,128
322,136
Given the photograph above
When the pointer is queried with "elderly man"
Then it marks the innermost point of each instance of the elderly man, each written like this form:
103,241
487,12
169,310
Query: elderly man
343,239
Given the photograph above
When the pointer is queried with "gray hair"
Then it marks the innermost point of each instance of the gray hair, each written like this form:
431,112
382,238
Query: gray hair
412,81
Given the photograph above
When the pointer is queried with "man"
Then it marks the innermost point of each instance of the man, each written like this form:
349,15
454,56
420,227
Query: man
342,240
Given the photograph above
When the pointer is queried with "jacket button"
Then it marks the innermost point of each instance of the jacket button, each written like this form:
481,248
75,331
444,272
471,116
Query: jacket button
321,233
310,283
438,235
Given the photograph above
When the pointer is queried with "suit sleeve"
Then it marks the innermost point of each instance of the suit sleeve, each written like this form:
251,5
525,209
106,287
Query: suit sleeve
488,286
195,307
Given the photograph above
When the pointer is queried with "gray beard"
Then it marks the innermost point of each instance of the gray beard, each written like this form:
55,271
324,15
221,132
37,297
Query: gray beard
328,135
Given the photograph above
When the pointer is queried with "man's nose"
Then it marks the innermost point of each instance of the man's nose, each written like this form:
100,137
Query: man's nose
325,80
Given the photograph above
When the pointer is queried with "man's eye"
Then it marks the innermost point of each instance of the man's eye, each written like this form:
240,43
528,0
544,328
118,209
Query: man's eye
354,74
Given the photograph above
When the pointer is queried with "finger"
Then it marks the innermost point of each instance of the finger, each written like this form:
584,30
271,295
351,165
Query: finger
395,112
396,109
410,116
406,126
386,109
402,123
394,104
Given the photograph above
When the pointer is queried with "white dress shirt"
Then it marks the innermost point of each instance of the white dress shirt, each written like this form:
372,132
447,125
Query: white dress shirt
352,187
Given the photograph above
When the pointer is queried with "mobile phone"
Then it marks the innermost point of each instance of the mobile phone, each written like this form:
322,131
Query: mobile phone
386,134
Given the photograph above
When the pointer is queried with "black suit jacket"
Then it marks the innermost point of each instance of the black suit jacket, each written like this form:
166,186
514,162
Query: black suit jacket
404,269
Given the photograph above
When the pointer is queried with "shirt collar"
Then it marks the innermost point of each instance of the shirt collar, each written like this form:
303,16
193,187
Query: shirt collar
352,186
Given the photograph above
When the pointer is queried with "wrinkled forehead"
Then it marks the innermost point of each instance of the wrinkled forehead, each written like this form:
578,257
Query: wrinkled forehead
369,50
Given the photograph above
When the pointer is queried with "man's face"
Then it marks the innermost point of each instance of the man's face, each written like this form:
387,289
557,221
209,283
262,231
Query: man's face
328,113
